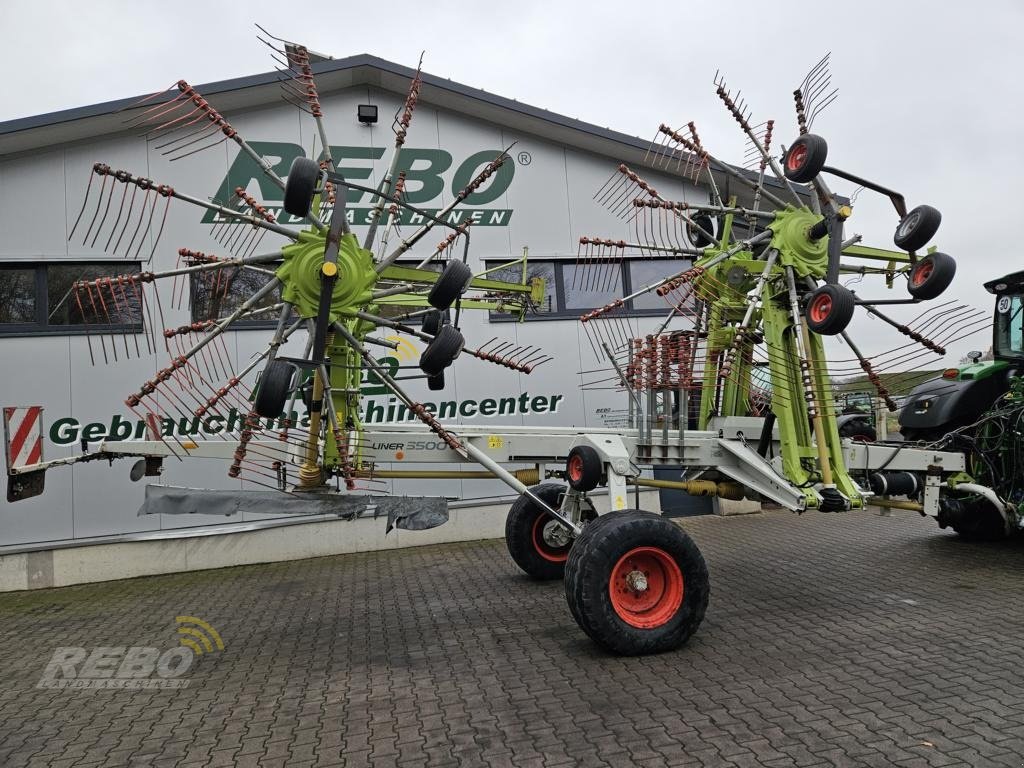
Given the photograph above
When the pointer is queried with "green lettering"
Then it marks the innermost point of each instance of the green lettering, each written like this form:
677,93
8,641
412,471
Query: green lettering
468,408
354,173
373,384
499,182
64,431
488,407
245,170
426,180
119,428
93,431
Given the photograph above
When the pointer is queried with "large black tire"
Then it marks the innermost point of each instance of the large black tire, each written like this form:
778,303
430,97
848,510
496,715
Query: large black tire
524,534
973,520
433,320
618,614
273,388
698,238
442,351
931,275
451,284
435,383
830,309
584,468
859,430
917,228
805,158
300,186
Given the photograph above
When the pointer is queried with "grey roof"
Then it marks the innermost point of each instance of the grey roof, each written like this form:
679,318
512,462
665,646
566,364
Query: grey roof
27,134
334,74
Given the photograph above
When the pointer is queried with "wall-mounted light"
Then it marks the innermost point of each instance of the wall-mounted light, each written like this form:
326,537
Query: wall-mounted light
366,114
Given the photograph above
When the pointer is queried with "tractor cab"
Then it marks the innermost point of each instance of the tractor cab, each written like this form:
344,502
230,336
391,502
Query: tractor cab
1008,324
960,395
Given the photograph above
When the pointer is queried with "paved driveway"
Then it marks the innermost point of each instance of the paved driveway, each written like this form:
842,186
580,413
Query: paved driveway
830,640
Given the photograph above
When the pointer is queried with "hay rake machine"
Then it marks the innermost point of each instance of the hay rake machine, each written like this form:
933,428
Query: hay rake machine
732,385
346,296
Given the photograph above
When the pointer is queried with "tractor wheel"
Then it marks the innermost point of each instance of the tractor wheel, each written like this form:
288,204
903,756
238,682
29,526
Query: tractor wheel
300,186
435,383
433,320
636,583
917,228
442,351
805,158
535,540
931,275
451,284
972,519
830,309
584,468
273,388
858,430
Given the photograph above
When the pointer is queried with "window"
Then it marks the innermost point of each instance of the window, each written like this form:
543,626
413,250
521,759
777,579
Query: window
216,293
1009,326
573,288
40,299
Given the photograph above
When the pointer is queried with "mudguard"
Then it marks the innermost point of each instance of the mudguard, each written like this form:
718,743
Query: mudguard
942,403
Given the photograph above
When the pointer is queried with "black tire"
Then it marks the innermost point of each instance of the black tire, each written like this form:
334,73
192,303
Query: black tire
451,284
987,526
442,351
805,158
931,275
829,309
698,238
272,391
917,228
858,430
584,468
973,520
435,383
524,528
627,621
433,320
300,186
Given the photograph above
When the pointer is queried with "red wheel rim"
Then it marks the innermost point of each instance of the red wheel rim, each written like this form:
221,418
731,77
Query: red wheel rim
575,468
821,308
646,587
545,550
796,157
920,273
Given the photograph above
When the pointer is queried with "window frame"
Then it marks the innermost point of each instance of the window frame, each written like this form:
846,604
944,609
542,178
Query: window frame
561,312
42,326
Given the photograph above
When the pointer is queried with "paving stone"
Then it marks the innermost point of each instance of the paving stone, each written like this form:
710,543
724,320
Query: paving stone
831,640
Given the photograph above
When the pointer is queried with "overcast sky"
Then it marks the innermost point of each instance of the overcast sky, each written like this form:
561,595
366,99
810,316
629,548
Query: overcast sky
929,104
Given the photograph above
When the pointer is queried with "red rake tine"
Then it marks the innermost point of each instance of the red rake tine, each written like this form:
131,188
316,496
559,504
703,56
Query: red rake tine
96,213
149,224
138,224
117,221
88,336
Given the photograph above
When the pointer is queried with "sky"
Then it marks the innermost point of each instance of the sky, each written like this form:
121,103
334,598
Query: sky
929,93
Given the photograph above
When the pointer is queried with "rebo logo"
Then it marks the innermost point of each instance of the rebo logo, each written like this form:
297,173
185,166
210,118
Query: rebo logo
424,173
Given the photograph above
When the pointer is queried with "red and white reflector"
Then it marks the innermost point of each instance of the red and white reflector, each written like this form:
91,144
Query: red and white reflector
23,435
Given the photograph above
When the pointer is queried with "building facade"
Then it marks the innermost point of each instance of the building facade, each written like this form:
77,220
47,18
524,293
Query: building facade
544,201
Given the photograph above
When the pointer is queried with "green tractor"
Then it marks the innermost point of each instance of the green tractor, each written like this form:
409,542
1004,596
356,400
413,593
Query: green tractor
978,408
